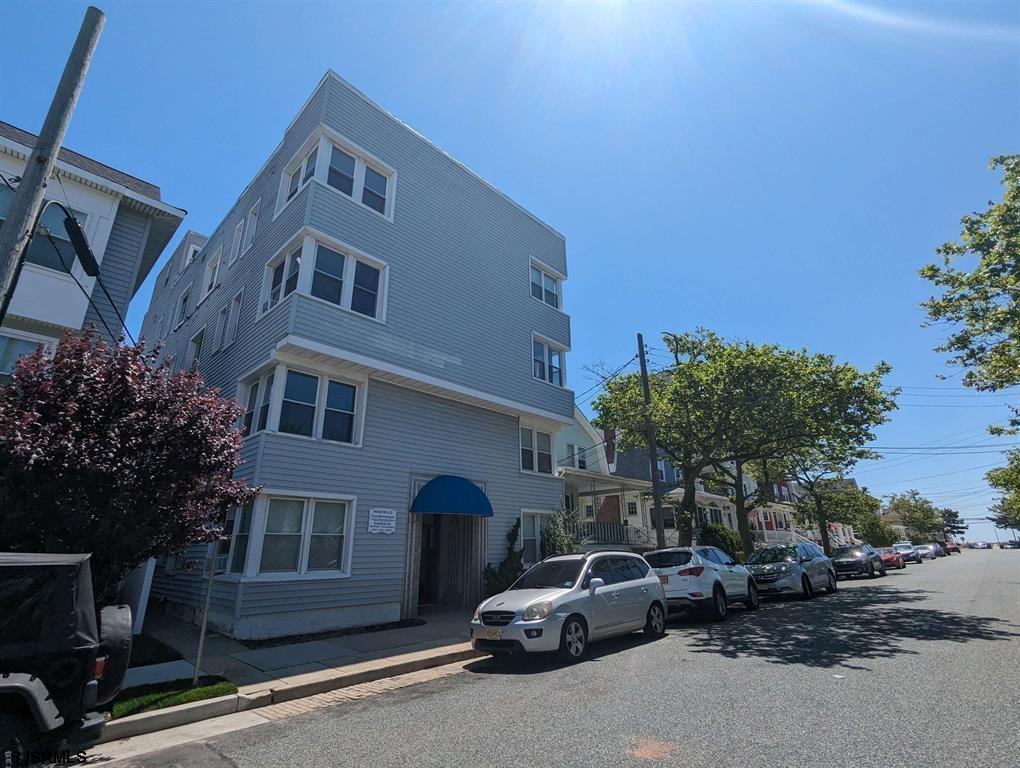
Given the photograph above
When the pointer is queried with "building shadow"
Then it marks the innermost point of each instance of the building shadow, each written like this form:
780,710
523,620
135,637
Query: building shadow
840,630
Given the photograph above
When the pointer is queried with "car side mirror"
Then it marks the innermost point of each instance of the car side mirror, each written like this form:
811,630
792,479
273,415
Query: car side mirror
595,584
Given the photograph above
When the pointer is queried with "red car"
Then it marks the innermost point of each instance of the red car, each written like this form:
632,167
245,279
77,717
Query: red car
891,558
951,547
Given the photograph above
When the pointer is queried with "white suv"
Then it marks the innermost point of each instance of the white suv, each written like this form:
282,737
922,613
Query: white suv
704,578
566,601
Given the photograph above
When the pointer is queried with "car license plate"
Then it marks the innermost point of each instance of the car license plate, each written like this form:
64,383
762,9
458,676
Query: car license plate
492,634
664,579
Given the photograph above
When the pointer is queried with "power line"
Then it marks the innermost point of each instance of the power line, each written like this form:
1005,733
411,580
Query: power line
603,380
940,474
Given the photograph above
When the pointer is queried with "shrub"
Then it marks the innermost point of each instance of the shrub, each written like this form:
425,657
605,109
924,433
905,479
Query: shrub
500,578
715,535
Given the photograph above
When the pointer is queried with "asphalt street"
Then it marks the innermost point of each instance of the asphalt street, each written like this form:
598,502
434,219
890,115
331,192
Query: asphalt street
921,668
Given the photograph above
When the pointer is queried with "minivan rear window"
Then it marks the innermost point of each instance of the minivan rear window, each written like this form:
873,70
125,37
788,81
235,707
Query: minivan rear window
668,559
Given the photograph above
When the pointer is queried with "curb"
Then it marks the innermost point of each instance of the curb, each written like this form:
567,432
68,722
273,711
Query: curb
308,684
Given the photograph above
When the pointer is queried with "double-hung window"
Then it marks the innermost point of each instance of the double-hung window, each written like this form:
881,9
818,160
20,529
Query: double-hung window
212,273
222,319
536,451
374,192
338,415
302,173
568,460
235,244
14,347
250,406
250,226
631,508
297,413
304,536
547,362
331,273
341,171
531,537
582,462
182,308
195,349
283,278
233,317
545,287
267,397
232,548
355,177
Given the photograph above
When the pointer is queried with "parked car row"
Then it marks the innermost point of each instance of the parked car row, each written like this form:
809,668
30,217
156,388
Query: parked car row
565,602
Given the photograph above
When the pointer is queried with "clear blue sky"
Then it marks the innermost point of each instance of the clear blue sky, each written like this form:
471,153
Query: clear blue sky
772,171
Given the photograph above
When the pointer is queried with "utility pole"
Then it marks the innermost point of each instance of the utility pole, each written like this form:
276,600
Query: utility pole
653,450
23,215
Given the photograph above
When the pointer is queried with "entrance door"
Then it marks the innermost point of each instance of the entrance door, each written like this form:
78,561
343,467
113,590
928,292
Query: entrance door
428,572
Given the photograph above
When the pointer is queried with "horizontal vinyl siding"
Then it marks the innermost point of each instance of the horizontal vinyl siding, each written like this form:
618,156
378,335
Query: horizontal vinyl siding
406,433
189,588
459,255
117,270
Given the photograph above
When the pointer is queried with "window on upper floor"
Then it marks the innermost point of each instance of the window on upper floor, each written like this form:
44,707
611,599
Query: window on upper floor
14,345
345,281
190,256
267,397
374,192
631,508
536,451
237,241
232,549
57,255
195,350
582,462
660,469
299,175
251,404
221,327
547,362
282,277
341,171
568,460
545,287
251,225
182,307
212,272
318,406
297,413
233,318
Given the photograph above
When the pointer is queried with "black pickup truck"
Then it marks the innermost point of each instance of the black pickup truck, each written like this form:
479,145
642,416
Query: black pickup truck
59,659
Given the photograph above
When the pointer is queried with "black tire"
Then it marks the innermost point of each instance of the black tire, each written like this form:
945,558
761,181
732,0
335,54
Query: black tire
17,734
573,640
872,573
752,601
881,570
655,621
831,587
719,608
806,592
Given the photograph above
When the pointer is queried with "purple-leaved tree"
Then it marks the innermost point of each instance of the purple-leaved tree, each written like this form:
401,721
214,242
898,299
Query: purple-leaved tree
103,452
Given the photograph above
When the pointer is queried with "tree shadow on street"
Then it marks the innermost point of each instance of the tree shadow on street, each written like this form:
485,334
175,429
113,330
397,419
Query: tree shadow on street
842,629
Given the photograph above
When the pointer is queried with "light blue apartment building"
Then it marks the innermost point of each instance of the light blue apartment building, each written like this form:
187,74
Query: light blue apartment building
393,327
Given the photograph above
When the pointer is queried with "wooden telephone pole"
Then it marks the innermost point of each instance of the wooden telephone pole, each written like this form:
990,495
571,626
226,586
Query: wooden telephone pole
22,217
653,451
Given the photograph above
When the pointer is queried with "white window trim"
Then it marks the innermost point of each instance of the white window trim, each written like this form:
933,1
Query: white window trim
217,259
222,321
324,375
237,241
48,343
321,138
250,227
237,298
534,451
555,274
538,532
258,530
192,360
193,251
308,238
177,308
570,457
557,346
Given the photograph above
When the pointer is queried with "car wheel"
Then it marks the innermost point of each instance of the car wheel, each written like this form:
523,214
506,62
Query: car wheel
753,601
573,639
805,588
881,570
832,583
718,609
17,731
871,570
655,622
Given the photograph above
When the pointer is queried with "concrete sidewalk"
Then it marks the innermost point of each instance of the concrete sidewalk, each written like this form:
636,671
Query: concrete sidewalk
270,667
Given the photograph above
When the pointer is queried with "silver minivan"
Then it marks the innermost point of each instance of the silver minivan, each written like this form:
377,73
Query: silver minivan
567,601
802,569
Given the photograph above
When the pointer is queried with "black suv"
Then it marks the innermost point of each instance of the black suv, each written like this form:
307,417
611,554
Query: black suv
58,659
858,560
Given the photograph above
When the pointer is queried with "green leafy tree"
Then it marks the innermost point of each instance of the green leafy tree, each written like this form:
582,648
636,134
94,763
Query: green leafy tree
563,532
1006,511
1006,514
722,405
917,513
952,524
715,535
980,301
499,578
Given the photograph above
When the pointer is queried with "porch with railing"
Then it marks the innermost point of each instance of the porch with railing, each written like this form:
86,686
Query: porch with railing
621,534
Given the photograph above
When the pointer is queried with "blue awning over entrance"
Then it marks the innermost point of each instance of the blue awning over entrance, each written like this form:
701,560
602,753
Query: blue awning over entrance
451,495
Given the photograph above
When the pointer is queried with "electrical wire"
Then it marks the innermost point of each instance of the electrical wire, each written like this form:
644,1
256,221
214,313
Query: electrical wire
99,278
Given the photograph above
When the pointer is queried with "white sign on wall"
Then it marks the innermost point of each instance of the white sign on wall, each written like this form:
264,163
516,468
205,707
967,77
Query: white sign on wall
382,520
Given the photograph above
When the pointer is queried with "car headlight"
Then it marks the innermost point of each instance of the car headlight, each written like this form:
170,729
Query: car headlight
478,613
538,611
783,568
